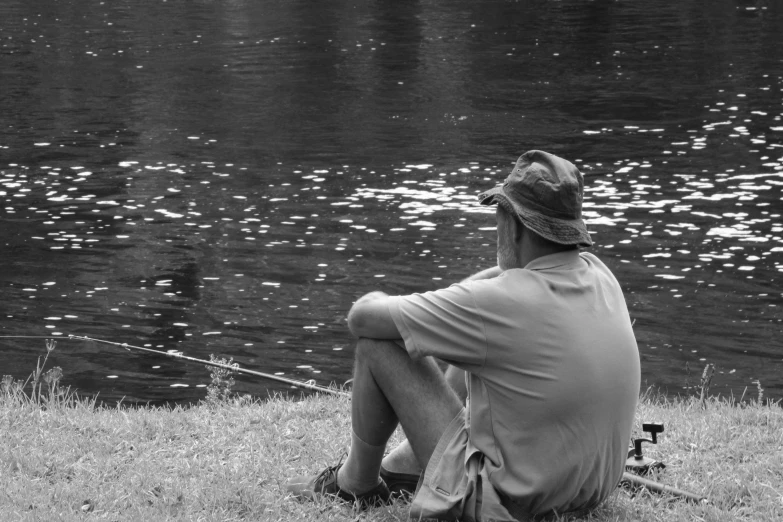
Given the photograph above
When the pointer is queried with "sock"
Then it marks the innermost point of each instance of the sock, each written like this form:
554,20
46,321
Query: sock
360,472
402,460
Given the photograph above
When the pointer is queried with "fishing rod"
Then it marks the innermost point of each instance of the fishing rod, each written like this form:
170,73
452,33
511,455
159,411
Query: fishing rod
180,355
635,481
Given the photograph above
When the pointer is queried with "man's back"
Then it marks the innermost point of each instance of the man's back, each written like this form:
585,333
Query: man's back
573,369
553,376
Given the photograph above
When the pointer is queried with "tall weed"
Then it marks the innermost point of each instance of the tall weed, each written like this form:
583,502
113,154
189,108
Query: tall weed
45,389
219,390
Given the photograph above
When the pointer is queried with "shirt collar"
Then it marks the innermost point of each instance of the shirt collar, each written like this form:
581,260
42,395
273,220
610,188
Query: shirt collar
557,260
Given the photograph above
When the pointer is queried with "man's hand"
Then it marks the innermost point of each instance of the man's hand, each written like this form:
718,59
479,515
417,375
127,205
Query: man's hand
370,317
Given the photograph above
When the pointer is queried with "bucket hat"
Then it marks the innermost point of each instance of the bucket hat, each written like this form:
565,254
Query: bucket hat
545,192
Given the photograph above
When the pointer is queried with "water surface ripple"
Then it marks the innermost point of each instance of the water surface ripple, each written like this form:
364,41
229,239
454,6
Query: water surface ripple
227,179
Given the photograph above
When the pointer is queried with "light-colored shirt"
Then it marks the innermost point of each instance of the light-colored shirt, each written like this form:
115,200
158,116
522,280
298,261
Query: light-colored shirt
553,376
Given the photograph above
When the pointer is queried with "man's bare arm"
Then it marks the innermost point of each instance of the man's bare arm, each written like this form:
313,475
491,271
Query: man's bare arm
370,317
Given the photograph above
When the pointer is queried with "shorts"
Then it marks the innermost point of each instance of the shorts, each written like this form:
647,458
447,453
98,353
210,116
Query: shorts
455,485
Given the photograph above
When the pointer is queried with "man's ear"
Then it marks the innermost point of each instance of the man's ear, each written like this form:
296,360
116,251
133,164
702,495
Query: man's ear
509,225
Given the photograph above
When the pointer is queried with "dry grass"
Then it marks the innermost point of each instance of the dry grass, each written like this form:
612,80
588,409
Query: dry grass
730,453
68,459
229,462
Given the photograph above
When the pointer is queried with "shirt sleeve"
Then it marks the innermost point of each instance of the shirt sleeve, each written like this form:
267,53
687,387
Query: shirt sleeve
445,324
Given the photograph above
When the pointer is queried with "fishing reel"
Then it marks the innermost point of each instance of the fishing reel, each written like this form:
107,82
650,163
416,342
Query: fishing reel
638,463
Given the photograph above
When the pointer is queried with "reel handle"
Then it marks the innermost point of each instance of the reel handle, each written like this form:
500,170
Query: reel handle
638,463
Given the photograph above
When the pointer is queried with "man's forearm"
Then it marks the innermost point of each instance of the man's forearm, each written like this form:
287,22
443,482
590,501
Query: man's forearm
489,273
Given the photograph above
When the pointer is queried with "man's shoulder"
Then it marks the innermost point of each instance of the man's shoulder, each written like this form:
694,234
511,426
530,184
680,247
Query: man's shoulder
517,283
595,263
591,258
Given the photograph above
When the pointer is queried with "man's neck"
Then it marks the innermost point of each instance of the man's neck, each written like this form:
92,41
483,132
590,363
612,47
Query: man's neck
531,251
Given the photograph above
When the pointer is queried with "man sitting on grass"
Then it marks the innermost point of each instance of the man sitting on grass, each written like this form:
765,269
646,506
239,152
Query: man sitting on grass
534,414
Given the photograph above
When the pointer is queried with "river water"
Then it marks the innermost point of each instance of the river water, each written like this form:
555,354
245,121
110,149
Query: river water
228,177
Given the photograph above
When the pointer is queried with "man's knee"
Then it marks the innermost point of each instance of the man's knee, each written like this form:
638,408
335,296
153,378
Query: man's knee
370,350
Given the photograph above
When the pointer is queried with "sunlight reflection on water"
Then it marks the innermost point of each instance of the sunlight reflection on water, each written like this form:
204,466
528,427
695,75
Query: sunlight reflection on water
232,185
422,198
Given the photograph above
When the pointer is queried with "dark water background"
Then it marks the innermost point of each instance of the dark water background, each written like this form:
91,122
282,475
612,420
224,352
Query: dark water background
228,177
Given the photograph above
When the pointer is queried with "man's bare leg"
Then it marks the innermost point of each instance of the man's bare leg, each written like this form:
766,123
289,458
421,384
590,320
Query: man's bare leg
402,459
456,379
390,387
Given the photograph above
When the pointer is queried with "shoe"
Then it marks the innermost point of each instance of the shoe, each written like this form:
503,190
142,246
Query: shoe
400,483
325,484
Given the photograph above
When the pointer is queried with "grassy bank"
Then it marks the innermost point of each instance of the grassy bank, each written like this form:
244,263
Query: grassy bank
227,459
75,461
